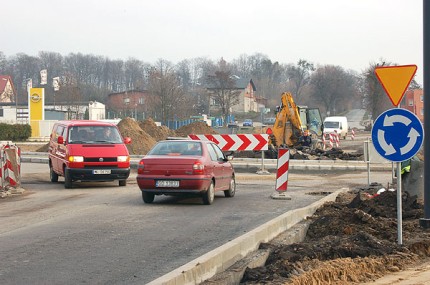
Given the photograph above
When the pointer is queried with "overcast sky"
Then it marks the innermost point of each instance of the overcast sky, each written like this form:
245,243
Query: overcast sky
348,33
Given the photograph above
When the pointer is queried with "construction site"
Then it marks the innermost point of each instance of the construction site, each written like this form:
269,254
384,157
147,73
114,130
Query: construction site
350,241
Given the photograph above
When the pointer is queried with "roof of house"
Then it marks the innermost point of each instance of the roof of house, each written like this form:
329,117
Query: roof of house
129,92
240,83
243,83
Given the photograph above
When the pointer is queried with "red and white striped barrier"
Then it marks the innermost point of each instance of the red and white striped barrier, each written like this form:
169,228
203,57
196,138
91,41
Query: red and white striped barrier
237,142
333,139
282,172
10,160
336,138
352,134
323,141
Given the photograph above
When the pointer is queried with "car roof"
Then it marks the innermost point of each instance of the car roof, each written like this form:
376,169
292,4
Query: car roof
185,140
85,123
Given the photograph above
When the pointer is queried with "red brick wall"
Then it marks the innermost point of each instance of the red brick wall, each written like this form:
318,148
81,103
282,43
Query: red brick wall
412,102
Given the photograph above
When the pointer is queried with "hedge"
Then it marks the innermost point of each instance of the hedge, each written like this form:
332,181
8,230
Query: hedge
17,132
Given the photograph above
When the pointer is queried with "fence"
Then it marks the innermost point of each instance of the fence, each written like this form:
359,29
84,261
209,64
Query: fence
215,122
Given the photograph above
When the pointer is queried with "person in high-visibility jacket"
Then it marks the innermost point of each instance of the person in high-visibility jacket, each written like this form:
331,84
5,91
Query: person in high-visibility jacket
405,167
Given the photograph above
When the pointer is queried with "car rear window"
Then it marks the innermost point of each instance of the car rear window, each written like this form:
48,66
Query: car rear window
177,148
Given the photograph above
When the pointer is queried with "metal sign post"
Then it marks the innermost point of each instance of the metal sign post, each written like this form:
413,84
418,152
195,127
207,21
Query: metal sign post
397,136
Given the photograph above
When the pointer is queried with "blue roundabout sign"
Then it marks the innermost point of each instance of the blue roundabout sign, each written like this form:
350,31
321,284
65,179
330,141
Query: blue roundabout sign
397,134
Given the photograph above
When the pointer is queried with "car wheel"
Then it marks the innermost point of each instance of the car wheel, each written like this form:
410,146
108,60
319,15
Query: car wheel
148,197
67,179
53,175
209,195
122,182
232,190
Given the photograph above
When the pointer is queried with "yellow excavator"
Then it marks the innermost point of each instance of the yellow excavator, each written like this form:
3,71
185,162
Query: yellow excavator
295,126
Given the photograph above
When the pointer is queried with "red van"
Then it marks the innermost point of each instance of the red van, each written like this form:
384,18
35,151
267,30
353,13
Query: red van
88,151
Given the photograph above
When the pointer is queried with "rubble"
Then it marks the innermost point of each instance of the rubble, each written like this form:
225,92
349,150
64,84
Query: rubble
351,240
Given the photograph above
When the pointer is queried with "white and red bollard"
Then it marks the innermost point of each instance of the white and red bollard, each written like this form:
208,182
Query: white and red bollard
332,139
323,141
282,174
352,134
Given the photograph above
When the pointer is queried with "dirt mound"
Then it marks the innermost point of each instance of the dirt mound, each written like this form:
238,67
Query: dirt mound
198,128
348,241
158,133
141,141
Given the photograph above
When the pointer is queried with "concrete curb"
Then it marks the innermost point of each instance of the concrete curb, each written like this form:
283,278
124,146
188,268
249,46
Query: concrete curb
252,165
221,258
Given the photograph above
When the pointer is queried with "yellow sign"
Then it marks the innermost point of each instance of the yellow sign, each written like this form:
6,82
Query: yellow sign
395,80
36,107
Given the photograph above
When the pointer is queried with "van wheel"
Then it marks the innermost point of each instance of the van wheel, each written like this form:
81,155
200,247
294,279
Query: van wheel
67,179
209,196
53,175
148,198
122,182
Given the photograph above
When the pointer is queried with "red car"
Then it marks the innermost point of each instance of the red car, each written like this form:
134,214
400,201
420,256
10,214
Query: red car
185,167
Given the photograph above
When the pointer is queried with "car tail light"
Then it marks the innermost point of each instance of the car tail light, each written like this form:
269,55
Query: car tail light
198,167
140,167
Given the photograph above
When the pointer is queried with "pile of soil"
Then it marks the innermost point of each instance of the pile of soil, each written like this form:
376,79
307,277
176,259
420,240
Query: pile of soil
197,128
351,240
141,141
157,132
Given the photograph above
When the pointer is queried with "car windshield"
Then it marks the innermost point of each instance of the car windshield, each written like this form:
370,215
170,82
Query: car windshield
331,125
94,134
177,148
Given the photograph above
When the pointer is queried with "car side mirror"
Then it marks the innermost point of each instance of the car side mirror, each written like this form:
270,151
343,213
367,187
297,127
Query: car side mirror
127,140
60,140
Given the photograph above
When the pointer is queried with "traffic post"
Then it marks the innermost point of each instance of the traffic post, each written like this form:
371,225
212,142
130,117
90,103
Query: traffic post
397,133
282,174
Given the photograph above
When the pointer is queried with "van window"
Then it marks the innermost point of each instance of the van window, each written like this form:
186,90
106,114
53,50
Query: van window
58,131
331,125
94,134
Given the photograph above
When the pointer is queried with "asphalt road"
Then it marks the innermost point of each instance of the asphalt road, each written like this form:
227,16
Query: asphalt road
100,233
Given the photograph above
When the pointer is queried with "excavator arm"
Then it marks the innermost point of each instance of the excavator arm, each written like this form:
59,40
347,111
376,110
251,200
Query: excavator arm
288,126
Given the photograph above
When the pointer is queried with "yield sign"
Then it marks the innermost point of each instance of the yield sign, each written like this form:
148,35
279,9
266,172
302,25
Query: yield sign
395,80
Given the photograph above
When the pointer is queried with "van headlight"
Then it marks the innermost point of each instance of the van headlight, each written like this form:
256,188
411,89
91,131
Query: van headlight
76,158
123,158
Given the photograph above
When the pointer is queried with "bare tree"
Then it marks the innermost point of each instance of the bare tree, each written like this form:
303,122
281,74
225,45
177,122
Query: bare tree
298,77
332,87
222,88
168,96
134,74
375,98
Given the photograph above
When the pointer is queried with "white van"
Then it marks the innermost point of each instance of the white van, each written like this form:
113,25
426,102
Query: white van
336,125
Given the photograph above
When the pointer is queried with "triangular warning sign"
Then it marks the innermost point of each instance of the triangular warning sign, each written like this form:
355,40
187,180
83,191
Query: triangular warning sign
395,80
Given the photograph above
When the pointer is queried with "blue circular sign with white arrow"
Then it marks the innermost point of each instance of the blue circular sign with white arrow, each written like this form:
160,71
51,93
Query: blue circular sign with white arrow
397,134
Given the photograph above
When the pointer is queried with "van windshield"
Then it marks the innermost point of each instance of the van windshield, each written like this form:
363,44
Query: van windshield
331,125
93,135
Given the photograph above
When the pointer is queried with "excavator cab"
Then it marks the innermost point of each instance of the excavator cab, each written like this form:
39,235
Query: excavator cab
291,123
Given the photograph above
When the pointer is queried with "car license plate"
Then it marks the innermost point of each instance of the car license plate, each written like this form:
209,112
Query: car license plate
101,171
167,183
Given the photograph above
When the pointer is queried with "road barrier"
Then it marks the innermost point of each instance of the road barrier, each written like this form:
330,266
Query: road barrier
352,134
333,139
10,163
282,172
